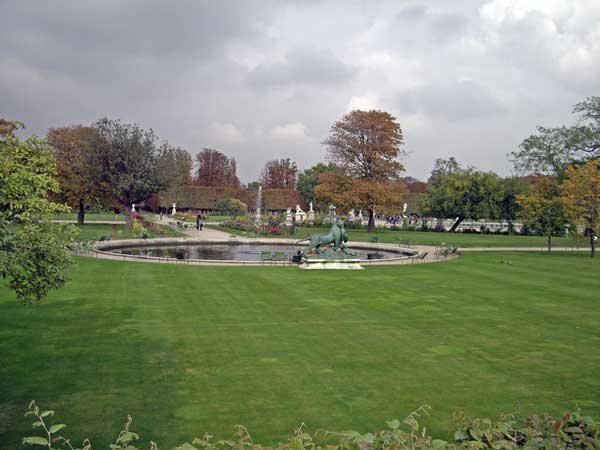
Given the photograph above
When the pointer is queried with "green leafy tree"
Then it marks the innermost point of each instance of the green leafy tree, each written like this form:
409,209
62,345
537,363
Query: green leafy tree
543,210
456,192
232,207
126,159
581,192
174,166
309,179
552,150
33,252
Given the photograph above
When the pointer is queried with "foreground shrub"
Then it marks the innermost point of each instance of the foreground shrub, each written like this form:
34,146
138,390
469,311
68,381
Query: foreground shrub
571,431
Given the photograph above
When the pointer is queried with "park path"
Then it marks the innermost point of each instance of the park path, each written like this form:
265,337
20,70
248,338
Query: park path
93,222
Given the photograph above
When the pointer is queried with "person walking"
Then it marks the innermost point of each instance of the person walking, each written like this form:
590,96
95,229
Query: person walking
198,222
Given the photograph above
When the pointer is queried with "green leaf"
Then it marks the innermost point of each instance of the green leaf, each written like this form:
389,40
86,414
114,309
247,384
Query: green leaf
187,446
460,436
438,443
36,424
56,428
394,424
35,440
47,413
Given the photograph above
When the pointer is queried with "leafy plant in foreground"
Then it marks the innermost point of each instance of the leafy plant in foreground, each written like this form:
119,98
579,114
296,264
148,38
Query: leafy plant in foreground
572,431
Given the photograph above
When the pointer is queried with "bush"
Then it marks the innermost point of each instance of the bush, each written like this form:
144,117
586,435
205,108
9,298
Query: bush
572,431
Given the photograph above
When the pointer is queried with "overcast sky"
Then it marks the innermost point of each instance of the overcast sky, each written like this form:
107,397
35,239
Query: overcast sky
267,79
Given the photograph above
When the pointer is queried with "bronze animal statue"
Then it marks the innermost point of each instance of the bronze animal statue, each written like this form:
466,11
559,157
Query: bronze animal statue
337,236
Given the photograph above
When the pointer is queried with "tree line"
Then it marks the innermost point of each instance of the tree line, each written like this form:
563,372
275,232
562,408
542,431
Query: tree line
118,164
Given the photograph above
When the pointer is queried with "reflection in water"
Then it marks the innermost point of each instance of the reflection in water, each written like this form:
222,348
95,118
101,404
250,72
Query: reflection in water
227,252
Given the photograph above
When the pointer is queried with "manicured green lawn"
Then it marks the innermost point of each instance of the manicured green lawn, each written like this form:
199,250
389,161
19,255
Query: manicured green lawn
189,349
431,238
92,217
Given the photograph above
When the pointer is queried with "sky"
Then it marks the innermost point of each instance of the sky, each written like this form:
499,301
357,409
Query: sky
260,79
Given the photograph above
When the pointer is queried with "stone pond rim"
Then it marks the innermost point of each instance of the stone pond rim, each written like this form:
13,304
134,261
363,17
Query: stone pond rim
104,249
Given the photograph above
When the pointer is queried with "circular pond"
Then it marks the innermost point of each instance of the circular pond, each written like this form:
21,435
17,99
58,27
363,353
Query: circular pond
228,251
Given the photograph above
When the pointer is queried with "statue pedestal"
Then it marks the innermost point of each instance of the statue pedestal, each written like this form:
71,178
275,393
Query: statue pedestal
316,263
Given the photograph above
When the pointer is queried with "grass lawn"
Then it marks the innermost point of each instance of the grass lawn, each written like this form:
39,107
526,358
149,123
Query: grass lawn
431,238
185,350
91,217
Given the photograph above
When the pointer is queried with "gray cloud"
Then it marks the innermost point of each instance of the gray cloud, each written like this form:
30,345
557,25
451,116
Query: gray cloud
454,101
304,66
240,75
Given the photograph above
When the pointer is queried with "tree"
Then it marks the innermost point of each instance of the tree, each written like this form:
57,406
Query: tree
232,207
414,185
73,150
581,192
460,193
552,150
174,166
253,185
309,179
543,210
34,256
126,158
279,174
215,169
366,145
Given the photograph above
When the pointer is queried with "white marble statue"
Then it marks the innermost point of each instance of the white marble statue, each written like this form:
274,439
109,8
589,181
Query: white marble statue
310,218
300,215
351,215
133,207
173,211
288,217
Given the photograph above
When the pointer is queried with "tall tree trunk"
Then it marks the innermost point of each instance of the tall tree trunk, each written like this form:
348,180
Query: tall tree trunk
456,224
128,216
592,244
549,243
81,214
371,224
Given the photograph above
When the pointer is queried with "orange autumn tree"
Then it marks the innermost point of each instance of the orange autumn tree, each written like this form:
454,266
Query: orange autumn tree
366,146
72,148
581,193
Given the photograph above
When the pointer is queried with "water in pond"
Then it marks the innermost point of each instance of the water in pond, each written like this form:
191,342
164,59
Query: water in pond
229,252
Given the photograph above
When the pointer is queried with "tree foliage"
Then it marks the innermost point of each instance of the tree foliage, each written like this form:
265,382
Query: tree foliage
73,147
310,178
214,169
552,150
279,174
466,193
126,160
543,210
366,145
232,207
34,253
581,192
174,166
